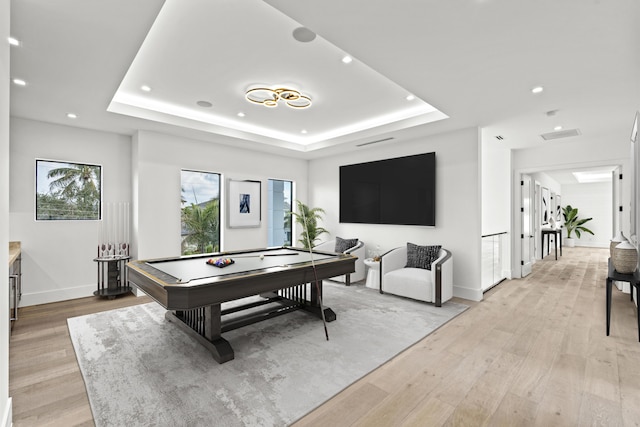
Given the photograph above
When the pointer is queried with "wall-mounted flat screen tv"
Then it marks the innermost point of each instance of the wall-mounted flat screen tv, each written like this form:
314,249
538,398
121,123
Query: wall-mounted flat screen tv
401,190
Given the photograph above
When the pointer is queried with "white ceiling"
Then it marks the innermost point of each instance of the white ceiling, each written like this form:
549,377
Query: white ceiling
473,60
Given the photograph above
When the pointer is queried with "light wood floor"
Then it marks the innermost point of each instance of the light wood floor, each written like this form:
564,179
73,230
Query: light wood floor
534,352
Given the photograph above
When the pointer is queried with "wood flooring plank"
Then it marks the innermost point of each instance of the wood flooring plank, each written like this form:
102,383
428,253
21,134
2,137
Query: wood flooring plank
514,411
484,398
433,412
411,393
347,407
629,380
599,412
601,367
562,399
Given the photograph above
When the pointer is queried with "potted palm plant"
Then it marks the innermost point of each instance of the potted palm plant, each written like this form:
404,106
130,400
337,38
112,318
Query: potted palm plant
574,224
308,219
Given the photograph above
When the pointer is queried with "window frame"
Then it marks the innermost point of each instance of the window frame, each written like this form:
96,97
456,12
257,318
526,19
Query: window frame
61,164
184,205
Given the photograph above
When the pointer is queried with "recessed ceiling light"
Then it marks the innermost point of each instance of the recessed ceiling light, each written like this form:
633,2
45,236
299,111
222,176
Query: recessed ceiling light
537,89
19,82
72,115
13,41
205,104
145,88
557,128
347,59
303,131
411,97
241,114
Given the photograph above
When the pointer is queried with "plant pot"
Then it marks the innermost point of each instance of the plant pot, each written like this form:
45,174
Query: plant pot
569,242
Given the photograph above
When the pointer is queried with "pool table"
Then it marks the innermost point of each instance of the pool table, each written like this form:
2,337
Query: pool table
193,290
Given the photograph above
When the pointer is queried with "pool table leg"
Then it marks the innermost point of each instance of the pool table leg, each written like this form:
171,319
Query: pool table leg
212,340
314,307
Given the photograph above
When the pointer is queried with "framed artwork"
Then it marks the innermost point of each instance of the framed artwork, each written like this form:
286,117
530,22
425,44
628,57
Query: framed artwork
545,204
558,209
243,202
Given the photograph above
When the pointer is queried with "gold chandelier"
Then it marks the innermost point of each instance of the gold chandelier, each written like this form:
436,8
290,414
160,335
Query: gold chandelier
270,97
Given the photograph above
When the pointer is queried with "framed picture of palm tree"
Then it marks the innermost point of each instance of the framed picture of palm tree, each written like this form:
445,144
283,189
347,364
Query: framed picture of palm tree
68,191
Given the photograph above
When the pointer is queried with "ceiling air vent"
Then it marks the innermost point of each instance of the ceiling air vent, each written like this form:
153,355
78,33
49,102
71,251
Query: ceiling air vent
374,142
560,134
499,137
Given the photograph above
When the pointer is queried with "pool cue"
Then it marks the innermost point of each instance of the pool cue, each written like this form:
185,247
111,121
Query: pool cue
258,256
315,274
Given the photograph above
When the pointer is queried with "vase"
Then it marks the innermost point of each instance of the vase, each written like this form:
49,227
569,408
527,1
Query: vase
619,238
625,258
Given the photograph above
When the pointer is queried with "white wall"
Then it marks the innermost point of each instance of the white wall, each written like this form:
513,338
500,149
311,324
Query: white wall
593,200
57,256
158,159
458,203
5,401
495,197
496,187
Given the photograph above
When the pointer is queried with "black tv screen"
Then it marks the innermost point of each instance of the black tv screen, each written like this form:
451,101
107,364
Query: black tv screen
393,191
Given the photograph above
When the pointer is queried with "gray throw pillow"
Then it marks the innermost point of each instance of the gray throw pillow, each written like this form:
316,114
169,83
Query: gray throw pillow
421,256
344,244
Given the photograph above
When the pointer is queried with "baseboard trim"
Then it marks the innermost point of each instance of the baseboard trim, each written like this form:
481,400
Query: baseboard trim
7,417
56,295
467,293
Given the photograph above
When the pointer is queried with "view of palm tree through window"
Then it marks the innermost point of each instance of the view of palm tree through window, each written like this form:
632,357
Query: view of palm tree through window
280,194
68,191
200,212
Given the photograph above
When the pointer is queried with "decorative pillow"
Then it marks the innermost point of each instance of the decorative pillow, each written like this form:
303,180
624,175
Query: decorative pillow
344,244
421,256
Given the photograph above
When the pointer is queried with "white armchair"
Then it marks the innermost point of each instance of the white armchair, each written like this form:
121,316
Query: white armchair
435,285
358,250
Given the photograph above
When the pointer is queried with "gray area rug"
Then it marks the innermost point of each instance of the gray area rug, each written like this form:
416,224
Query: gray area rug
141,370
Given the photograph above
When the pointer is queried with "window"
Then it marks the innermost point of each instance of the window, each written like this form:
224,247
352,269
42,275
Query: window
200,215
68,191
279,206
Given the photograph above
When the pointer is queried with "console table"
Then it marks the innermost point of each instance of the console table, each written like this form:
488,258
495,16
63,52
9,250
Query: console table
557,233
634,281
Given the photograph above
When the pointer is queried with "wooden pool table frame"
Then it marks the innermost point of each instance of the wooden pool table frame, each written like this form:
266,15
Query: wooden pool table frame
196,306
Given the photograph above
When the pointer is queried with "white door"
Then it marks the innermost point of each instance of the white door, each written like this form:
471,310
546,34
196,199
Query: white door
527,215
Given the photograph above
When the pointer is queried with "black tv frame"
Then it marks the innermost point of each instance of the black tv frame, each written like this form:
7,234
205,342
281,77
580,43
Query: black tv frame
399,191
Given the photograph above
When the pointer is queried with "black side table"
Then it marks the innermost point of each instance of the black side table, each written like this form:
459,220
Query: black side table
557,238
634,281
